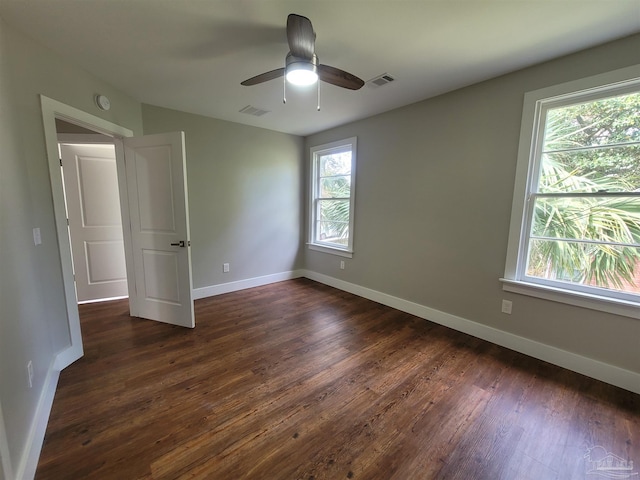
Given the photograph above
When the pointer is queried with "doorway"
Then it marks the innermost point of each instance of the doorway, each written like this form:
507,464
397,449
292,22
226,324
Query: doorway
92,201
53,110
151,178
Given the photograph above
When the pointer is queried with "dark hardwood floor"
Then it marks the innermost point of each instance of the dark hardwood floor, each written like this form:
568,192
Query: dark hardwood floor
297,380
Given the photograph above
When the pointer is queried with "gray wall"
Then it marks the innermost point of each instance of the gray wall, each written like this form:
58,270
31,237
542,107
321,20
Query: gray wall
33,317
433,198
245,190
434,186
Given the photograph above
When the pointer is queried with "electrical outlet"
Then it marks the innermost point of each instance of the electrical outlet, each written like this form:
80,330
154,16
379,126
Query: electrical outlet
506,306
341,264
225,268
30,373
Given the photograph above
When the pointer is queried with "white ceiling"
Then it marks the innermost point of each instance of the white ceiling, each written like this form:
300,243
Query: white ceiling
191,55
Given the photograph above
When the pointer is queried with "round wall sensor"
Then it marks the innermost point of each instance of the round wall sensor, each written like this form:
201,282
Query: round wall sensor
103,102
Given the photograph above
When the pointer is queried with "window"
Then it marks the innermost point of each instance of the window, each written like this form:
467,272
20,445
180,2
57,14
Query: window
575,232
331,197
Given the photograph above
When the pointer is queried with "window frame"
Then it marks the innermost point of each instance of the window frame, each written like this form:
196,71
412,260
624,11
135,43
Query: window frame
316,153
536,103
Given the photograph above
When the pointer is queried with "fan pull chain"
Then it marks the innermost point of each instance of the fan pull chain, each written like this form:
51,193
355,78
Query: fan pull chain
318,95
284,90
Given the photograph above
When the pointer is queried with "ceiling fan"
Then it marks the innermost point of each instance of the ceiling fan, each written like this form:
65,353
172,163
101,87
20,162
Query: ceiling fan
301,63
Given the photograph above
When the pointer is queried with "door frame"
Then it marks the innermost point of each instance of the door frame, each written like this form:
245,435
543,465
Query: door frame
52,109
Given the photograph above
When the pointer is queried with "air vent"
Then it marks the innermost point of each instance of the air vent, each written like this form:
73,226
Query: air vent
380,80
256,112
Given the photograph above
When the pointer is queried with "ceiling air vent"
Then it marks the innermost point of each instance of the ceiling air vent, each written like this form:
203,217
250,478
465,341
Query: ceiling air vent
256,112
380,80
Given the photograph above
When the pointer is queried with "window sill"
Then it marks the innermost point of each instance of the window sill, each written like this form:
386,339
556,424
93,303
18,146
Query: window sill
333,251
579,299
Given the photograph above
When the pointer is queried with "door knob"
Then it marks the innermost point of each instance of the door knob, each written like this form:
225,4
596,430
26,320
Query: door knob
181,243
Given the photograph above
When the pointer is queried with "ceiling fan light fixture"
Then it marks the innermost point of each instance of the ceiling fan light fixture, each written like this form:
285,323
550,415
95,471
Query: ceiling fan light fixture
301,76
301,64
301,71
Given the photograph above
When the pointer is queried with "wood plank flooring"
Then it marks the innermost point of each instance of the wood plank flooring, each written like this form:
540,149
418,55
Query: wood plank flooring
297,380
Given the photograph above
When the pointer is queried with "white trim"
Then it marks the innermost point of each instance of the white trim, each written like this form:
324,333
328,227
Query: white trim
531,132
52,109
330,250
35,439
571,297
348,144
204,292
123,191
611,374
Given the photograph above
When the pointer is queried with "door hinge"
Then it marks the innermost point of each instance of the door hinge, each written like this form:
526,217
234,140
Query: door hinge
60,162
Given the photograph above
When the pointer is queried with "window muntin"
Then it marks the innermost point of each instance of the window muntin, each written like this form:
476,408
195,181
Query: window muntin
332,188
582,221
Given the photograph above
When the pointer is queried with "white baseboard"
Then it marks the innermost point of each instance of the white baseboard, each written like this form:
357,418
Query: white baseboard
68,356
611,374
29,462
221,288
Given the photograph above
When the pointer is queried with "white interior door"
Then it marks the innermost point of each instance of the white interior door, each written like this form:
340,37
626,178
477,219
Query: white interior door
158,212
95,226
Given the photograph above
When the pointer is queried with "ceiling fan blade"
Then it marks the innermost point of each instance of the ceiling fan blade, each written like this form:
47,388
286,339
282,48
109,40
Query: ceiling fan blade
339,78
300,36
263,77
